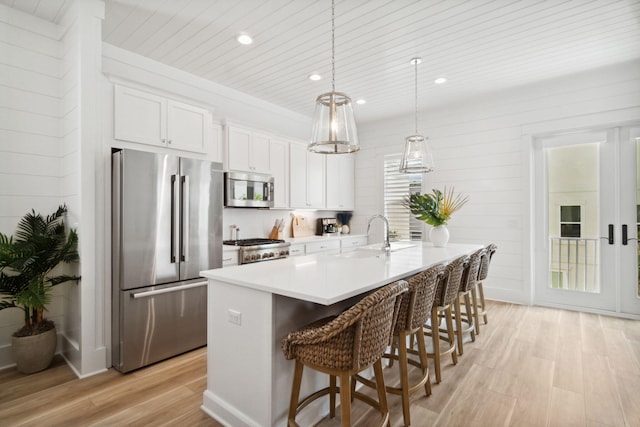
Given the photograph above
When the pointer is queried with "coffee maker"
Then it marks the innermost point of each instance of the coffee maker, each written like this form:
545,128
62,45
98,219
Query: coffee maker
327,226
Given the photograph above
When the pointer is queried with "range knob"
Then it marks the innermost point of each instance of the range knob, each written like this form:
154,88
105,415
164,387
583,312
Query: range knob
271,254
247,258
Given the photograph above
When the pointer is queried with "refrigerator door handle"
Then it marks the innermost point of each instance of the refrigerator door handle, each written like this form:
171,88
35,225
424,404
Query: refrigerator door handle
184,216
168,290
174,218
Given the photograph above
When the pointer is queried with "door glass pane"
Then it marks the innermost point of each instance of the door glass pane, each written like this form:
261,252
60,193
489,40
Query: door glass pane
573,195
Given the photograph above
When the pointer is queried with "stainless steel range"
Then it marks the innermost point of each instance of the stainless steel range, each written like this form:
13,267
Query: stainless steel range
256,250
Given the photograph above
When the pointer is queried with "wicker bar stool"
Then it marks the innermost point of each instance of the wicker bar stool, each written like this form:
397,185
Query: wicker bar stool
464,319
446,293
414,311
480,308
341,347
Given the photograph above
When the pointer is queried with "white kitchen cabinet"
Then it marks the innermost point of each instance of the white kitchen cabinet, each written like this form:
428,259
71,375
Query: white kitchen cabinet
348,244
229,257
296,249
307,178
279,162
340,182
147,118
329,246
247,151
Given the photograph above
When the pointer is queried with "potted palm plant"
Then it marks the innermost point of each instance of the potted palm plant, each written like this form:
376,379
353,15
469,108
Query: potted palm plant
27,260
436,209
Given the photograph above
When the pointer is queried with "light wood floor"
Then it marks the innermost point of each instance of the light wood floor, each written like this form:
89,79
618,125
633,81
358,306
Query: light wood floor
530,366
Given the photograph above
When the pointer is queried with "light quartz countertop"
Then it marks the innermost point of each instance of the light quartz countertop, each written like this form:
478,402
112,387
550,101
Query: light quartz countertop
327,279
308,239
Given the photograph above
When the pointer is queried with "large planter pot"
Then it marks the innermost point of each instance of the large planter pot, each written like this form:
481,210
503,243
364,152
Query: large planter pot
439,236
34,353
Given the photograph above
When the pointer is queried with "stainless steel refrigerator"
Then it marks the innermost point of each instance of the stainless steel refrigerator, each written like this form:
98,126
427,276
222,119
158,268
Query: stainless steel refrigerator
166,228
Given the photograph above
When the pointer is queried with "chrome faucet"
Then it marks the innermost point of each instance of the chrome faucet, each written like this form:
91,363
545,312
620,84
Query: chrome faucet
386,246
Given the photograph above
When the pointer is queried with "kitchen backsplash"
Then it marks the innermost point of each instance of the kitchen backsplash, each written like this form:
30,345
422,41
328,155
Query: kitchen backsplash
255,223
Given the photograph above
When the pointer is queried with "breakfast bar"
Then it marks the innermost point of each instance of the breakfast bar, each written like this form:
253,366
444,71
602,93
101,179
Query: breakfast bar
252,307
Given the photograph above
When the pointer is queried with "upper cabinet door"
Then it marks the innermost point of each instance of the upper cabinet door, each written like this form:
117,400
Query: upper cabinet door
340,182
260,154
248,151
316,180
298,176
279,162
139,116
238,148
146,118
188,127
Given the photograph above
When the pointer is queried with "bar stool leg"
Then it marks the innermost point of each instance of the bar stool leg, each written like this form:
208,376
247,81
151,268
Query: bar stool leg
482,303
476,316
345,399
332,396
467,307
450,333
295,392
382,393
458,324
435,338
404,377
424,361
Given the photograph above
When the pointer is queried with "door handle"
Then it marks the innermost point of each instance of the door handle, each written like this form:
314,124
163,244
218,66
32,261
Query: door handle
625,239
610,237
611,234
625,235
168,290
173,219
184,218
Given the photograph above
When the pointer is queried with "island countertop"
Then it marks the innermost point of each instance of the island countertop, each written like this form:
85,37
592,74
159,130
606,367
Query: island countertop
327,279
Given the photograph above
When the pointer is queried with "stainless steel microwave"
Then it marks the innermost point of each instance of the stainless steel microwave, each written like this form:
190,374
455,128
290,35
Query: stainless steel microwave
248,190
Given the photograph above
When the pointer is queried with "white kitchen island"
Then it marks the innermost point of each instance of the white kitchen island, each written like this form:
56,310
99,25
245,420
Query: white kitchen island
252,307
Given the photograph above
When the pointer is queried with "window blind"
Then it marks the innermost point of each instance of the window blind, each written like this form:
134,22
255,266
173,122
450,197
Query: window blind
397,187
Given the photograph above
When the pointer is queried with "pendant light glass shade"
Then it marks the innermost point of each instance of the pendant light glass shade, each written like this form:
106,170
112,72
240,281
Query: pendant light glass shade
416,157
334,127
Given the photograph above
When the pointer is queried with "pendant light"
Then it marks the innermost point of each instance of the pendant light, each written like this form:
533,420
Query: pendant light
334,128
417,157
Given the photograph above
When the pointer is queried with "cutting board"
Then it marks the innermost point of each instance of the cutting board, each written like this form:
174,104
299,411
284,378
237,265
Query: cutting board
301,226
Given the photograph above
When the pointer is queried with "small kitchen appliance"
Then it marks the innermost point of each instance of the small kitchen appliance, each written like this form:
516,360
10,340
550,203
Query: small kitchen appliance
327,227
256,250
248,190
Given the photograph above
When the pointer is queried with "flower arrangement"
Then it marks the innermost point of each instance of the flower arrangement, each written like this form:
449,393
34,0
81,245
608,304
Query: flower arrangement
436,208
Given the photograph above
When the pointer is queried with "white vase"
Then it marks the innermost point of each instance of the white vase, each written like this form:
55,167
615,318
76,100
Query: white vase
439,236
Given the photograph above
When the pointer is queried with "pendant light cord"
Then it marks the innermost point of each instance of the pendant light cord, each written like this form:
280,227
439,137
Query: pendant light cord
416,92
333,46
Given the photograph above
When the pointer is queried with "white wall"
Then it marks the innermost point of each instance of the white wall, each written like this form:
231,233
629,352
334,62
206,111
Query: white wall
482,148
31,161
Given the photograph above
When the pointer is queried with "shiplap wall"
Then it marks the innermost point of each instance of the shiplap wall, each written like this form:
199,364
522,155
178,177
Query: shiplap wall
30,143
480,148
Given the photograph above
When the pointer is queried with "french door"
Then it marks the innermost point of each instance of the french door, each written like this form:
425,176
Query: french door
587,220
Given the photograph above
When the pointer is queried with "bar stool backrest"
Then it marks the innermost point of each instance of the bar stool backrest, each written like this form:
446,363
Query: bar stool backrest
449,282
486,260
471,270
353,340
415,307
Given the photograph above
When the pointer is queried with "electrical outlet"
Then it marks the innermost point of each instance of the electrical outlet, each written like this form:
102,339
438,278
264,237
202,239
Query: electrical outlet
234,317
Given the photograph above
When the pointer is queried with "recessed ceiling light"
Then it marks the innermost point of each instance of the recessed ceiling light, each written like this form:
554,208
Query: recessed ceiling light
361,101
315,77
440,80
244,39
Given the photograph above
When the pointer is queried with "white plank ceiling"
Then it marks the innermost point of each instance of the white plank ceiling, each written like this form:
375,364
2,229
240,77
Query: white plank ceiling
480,46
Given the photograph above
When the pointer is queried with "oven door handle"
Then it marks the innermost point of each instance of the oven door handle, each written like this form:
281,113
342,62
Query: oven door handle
168,290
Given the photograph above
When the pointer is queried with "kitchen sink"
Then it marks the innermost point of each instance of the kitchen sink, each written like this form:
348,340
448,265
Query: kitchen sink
395,246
